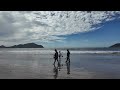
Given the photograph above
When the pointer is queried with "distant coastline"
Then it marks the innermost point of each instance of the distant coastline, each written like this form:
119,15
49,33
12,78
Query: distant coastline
28,45
117,45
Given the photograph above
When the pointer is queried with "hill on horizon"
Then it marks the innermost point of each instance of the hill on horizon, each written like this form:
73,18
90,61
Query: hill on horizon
117,45
27,45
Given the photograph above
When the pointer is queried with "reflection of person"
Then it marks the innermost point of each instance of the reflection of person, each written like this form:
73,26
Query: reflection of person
68,67
55,70
56,56
59,65
68,56
59,61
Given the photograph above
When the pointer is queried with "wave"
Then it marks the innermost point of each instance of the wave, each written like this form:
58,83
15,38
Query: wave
96,52
63,51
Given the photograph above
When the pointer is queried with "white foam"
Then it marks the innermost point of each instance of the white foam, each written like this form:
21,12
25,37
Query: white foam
52,52
95,52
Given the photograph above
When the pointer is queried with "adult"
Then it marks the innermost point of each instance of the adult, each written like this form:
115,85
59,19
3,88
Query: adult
68,56
55,56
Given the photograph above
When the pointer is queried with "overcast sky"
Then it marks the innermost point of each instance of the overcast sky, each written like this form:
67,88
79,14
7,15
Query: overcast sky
60,28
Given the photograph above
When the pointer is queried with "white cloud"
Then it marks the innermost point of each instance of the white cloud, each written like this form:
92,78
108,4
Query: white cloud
46,26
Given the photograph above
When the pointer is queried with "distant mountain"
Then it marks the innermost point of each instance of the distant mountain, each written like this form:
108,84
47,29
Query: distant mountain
28,45
117,45
2,46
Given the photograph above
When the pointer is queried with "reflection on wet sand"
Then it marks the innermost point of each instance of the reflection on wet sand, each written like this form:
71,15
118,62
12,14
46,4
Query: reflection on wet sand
55,70
58,67
68,67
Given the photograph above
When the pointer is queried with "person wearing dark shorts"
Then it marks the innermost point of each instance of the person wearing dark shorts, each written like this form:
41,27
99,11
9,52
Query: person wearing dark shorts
55,56
68,56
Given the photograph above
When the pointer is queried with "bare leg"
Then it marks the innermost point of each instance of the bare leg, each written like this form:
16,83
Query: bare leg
57,59
54,62
67,60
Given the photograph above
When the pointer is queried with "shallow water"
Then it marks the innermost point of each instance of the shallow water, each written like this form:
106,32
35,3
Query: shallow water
38,64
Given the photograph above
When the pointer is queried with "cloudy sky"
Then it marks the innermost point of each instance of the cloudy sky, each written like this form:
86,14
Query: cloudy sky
60,28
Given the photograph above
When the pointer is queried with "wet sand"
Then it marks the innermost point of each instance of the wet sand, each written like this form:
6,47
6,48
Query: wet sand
18,72
35,66
14,71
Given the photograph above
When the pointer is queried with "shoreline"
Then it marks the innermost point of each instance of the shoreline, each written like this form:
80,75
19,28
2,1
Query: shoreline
33,65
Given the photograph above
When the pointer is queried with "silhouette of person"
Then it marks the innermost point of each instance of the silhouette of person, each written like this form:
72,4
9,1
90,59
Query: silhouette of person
55,56
68,56
55,70
68,67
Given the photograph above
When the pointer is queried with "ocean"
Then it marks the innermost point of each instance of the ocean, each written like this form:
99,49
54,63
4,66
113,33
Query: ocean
37,63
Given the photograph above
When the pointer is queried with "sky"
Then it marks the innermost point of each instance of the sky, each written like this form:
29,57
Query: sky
60,28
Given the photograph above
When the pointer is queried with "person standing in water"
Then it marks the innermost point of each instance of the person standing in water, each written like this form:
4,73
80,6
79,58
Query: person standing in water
68,56
55,57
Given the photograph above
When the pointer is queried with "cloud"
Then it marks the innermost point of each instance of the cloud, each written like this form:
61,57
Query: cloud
46,26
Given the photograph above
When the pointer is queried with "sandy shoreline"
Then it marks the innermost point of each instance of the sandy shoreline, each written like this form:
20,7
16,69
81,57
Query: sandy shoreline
31,66
25,72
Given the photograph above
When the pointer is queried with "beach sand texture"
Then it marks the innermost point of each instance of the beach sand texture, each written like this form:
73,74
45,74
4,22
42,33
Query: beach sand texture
26,65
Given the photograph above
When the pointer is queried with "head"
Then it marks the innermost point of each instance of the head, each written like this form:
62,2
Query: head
59,51
67,50
55,50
